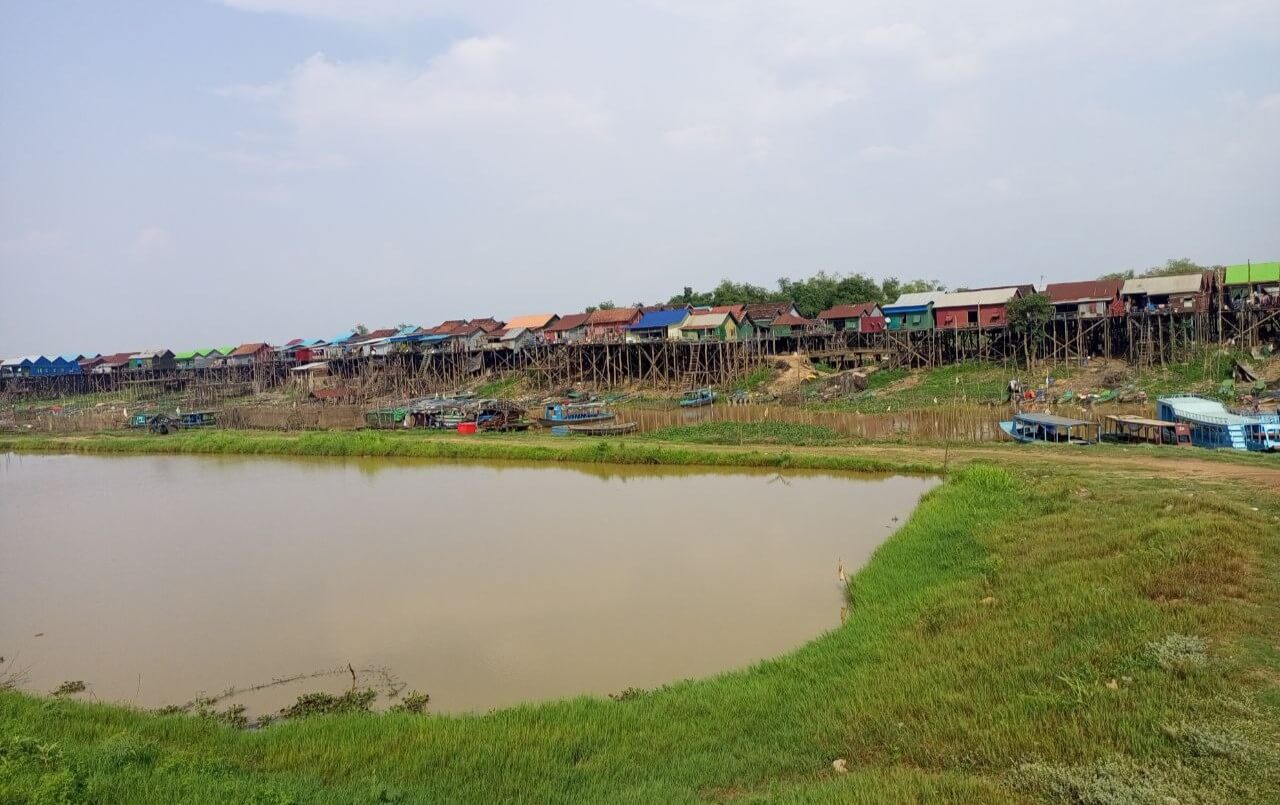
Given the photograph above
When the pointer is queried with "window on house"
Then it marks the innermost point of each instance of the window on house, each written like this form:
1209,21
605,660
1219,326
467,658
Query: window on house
973,317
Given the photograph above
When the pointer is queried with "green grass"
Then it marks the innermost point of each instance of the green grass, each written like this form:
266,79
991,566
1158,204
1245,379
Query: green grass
754,379
977,665
962,382
778,433
420,444
499,387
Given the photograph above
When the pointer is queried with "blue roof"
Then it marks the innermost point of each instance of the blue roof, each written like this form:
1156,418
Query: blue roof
408,329
418,338
71,358
343,337
891,310
660,318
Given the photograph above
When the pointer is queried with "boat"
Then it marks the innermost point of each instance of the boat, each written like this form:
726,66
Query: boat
558,414
1122,429
1213,426
1050,429
697,398
603,429
198,419
501,416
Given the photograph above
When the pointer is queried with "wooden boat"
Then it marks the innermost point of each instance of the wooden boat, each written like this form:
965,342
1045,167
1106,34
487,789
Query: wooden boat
1050,429
604,429
1140,430
1213,426
198,419
697,398
560,414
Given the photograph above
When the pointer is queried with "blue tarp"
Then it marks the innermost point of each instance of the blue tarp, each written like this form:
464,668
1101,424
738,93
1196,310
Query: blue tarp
660,318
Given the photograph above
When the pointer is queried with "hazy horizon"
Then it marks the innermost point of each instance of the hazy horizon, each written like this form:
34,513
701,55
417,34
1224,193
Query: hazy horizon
200,173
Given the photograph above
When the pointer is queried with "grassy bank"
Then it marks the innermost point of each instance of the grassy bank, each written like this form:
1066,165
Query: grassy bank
420,444
1075,635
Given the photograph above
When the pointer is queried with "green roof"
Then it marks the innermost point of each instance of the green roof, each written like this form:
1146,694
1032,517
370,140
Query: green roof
185,356
225,350
1248,274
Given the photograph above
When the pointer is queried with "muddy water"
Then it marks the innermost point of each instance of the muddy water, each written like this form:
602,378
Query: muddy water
157,578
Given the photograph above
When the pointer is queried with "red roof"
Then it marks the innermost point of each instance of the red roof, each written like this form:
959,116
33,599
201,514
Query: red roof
385,332
793,320
768,310
850,311
569,322
1089,290
617,315
249,349
118,358
739,312
487,324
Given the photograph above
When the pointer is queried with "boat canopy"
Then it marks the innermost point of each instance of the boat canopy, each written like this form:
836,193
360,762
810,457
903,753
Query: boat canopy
1051,420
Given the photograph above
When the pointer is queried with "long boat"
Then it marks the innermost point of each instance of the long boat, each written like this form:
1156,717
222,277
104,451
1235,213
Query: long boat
1050,429
560,414
1125,429
603,429
697,398
1213,426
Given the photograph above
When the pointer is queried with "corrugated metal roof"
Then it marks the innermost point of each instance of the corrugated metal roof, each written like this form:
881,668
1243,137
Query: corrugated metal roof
1206,410
569,322
1061,293
1160,286
704,321
250,349
534,321
851,311
994,296
1050,419
660,318
768,310
917,299
792,320
617,315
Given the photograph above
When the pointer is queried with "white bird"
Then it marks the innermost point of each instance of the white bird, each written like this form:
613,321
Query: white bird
840,572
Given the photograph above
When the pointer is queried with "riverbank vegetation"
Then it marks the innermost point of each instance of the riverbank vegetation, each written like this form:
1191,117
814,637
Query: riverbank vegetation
1044,631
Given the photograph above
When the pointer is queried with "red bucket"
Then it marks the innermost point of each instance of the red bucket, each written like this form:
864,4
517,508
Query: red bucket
467,427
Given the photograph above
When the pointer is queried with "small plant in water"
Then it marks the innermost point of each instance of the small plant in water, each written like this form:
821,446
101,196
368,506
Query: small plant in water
628,694
1179,654
312,704
413,702
69,687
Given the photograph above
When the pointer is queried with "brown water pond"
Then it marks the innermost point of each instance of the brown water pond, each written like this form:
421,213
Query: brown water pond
158,578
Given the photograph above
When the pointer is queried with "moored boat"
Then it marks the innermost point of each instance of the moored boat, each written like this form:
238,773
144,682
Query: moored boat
697,398
1124,429
560,414
1050,429
603,429
1213,426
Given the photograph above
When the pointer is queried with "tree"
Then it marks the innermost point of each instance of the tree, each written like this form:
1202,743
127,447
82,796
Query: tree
360,329
1027,317
606,305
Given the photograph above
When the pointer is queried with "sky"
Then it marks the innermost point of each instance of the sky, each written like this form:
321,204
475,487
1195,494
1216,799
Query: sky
183,173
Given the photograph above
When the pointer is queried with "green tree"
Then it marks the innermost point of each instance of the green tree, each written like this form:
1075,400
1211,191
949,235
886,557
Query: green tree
1027,317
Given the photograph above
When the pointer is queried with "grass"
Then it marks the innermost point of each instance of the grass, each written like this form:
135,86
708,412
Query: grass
1035,631
962,382
419,444
780,433
499,387
754,380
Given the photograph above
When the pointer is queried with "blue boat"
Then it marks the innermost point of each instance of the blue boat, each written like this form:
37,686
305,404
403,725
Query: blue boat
697,398
561,414
1213,426
1051,429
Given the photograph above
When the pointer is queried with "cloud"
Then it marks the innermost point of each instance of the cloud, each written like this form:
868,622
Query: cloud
151,242
1271,101
36,243
363,12
693,137
881,153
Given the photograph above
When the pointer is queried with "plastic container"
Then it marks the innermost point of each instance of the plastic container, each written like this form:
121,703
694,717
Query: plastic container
467,427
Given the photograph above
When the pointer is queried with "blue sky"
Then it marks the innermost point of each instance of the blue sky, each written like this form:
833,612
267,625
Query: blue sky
186,173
